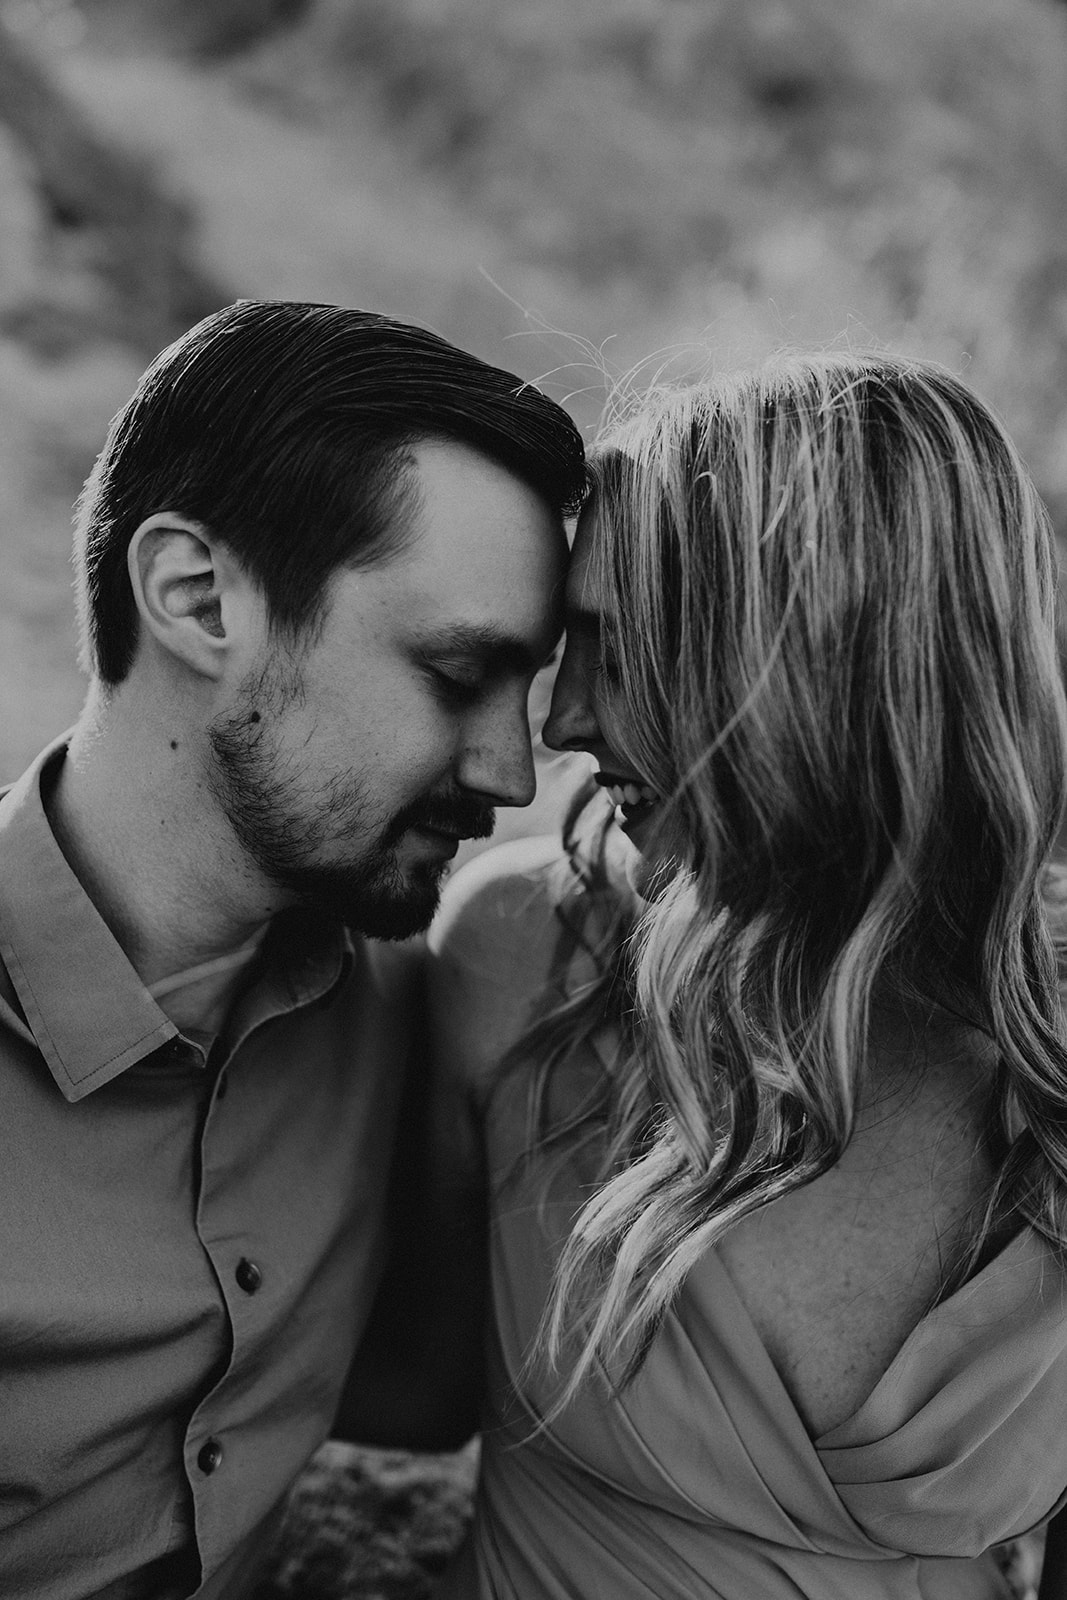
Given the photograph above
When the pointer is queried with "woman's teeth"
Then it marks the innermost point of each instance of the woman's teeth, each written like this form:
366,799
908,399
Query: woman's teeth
631,794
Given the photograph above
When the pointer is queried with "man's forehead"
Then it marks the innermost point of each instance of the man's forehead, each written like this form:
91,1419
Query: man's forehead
481,572
474,521
489,579
457,483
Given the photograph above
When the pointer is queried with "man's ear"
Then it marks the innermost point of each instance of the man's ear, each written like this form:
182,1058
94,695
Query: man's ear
183,583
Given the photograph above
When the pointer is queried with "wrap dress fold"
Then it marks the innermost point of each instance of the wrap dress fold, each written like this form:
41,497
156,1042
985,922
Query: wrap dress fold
699,1481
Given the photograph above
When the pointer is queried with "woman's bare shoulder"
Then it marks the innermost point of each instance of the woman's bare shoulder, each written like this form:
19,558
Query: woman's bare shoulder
504,893
498,919
492,949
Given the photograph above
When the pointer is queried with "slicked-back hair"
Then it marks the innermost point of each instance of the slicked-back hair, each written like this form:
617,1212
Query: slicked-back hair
284,429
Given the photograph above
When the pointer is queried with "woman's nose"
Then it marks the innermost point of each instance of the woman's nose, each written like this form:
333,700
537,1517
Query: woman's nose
571,723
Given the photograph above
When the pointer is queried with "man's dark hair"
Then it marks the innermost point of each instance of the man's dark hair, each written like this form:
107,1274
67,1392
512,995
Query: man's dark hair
284,430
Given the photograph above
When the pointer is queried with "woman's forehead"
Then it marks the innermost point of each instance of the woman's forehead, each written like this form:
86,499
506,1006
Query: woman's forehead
585,597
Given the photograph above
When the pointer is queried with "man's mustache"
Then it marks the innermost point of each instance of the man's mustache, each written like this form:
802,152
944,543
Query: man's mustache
458,814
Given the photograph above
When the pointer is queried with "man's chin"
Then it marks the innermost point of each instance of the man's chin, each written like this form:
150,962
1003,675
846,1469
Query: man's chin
397,908
394,919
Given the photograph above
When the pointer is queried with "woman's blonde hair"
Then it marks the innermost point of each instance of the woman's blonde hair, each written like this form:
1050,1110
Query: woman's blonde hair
832,585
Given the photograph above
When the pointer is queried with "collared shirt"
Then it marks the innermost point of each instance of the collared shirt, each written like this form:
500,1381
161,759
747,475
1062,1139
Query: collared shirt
188,1250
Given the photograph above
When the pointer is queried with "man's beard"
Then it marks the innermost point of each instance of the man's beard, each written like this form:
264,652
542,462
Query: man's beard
290,833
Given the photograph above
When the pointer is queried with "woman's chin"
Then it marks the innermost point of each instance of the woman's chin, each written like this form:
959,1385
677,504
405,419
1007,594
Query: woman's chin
650,864
639,823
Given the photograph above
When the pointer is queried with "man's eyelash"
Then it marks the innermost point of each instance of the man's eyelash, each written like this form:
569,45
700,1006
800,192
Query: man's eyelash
453,687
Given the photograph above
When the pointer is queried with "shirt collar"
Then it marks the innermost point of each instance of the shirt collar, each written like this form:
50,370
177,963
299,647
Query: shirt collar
85,1005
304,959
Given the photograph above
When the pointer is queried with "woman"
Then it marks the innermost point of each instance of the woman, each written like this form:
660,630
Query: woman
779,1179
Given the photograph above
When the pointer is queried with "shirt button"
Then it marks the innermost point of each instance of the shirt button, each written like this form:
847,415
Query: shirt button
248,1275
210,1456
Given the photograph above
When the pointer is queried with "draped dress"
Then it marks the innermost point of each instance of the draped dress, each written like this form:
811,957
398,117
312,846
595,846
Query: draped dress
699,1480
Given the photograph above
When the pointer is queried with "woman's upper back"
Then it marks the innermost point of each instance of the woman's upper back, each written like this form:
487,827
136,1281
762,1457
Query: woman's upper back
721,1470
834,1275
706,1476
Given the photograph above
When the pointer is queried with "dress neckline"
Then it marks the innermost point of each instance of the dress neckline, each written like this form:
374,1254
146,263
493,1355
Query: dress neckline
1021,1242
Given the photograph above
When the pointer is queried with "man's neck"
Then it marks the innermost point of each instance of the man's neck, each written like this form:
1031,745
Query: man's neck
135,817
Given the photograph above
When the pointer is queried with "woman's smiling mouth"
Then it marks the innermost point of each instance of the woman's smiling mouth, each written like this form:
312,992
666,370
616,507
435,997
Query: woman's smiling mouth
629,795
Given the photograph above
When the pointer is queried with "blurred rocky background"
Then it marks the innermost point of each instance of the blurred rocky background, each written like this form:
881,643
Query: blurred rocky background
578,189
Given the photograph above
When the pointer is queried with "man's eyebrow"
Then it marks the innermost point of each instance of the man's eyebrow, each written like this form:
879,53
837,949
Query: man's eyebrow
495,648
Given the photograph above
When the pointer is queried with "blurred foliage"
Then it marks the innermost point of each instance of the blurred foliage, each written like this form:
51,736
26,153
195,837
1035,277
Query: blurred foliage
902,162
202,29
624,183
101,212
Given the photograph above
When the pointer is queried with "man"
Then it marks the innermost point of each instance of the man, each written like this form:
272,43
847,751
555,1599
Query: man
318,563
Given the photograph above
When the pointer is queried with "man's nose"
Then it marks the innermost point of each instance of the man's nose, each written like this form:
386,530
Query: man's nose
498,762
571,723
